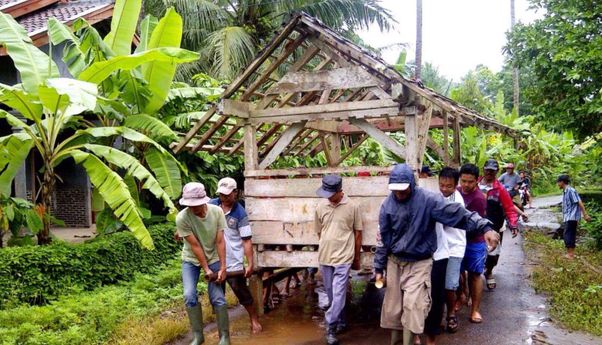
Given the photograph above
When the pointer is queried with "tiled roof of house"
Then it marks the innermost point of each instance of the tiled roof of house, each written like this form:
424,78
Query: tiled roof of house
64,11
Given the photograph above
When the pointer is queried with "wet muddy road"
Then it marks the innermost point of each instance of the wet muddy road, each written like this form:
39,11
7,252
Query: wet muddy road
512,313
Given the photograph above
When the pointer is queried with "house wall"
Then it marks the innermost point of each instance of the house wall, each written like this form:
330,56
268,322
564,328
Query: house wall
71,201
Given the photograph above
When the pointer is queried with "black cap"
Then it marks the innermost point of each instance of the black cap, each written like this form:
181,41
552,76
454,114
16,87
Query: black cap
330,185
491,164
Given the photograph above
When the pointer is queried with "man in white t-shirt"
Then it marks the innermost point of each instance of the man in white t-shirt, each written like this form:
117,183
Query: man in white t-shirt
445,275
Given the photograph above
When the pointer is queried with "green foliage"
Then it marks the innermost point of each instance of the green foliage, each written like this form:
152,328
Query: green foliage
562,50
37,275
92,317
594,227
573,287
228,34
16,213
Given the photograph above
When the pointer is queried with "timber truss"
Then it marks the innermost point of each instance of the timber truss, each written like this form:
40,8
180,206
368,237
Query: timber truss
311,90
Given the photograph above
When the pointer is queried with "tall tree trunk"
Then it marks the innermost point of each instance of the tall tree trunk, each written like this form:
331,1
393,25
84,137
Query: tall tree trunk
515,85
418,60
47,190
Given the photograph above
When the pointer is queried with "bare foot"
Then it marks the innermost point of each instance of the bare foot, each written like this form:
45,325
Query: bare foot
256,327
476,317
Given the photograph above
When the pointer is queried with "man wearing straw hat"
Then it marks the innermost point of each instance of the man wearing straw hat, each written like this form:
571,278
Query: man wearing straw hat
202,227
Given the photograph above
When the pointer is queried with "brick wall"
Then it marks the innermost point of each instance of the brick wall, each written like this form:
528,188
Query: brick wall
71,205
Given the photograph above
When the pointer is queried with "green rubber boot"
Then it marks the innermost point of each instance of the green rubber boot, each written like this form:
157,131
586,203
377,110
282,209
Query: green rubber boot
223,324
396,337
195,315
408,337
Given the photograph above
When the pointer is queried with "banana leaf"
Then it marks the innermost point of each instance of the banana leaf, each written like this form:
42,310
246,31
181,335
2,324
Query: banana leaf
99,71
33,65
123,26
159,75
116,194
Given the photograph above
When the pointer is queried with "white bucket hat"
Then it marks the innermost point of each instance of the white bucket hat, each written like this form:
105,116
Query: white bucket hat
194,194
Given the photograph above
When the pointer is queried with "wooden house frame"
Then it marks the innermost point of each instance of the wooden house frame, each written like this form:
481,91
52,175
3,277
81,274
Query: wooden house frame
308,91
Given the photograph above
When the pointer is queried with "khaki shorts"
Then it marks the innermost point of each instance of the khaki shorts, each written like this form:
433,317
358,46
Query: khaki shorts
408,296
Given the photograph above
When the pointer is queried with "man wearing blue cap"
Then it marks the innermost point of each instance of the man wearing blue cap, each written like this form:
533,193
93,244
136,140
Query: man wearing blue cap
338,223
407,242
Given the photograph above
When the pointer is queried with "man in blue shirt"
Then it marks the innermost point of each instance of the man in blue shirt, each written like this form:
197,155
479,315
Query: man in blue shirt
405,249
572,208
238,245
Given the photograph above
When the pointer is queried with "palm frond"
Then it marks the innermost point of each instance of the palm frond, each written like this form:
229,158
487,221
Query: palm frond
231,48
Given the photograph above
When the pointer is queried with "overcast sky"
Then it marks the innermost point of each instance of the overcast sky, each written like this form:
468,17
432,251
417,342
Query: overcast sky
457,35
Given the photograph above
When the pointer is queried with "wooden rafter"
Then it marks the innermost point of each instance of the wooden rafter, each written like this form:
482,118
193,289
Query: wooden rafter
283,141
350,150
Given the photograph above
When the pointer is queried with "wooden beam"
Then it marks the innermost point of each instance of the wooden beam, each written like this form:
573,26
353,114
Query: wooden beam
423,132
197,126
302,171
410,128
306,133
268,134
225,139
352,148
250,143
307,144
288,50
438,149
457,147
340,78
340,110
210,132
379,136
445,139
285,139
231,107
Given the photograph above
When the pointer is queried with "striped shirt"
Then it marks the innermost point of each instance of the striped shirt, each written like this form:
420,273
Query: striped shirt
570,204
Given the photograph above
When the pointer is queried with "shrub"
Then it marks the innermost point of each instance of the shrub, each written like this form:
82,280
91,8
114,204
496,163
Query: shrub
37,275
92,317
594,227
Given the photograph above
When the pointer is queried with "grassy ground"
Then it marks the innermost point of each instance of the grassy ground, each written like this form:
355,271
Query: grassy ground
574,288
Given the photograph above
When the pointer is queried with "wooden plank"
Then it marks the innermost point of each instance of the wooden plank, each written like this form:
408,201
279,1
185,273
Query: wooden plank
385,105
302,171
283,141
379,136
302,233
299,210
233,107
308,143
268,134
359,186
306,132
339,78
250,147
300,259
333,142
438,150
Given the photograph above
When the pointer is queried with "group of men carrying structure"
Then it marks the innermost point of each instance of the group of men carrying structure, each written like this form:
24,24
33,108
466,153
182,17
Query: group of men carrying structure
425,243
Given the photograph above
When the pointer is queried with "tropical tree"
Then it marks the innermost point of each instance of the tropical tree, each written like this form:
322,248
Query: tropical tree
562,51
49,108
515,77
228,34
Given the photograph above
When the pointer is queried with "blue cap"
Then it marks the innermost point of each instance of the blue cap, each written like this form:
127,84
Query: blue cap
330,185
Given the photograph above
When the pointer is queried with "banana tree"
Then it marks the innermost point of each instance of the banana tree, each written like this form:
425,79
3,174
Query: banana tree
132,94
47,105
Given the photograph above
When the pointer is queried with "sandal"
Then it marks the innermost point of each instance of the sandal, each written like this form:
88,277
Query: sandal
491,284
452,324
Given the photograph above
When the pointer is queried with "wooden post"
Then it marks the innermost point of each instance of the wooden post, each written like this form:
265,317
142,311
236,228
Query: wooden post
332,149
250,148
445,139
411,142
457,133
256,287
423,133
